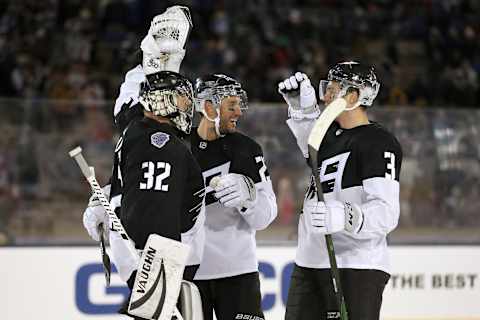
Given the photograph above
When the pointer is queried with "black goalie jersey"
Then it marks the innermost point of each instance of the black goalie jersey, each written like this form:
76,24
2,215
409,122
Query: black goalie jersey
230,235
157,186
362,166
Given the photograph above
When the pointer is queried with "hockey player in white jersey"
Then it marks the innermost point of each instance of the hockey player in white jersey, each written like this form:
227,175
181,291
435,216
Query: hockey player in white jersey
239,201
359,164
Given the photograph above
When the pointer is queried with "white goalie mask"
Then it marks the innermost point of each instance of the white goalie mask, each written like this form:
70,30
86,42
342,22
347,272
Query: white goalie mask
353,75
170,95
215,88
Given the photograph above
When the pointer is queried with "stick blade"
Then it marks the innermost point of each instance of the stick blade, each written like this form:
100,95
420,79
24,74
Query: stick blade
331,112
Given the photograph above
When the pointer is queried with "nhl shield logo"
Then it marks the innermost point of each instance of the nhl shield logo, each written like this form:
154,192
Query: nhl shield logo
202,145
159,139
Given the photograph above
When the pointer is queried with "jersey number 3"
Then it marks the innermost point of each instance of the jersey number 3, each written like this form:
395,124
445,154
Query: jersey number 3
390,156
155,180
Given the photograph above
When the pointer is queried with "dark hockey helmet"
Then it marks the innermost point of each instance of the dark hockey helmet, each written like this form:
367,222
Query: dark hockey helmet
353,75
169,94
216,87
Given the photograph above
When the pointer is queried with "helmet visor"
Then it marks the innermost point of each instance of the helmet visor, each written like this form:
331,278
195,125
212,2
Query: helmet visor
329,90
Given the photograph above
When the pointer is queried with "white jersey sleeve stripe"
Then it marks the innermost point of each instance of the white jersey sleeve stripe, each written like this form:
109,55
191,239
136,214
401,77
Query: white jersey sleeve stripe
382,206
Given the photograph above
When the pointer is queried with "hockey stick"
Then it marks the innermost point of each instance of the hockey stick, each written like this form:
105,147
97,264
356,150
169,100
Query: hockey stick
98,192
331,112
89,174
107,266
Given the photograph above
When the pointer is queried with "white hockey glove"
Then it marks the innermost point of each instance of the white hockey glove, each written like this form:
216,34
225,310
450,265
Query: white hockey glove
154,60
94,215
235,191
300,97
335,216
163,46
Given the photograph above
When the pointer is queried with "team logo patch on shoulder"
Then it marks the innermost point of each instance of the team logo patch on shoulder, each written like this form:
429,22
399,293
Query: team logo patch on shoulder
159,139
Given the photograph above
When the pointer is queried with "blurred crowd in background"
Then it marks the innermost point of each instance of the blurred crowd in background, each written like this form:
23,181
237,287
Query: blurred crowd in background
61,63
426,51
43,193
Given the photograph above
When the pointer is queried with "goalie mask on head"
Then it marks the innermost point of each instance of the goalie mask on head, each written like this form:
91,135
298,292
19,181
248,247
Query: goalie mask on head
353,75
215,88
162,93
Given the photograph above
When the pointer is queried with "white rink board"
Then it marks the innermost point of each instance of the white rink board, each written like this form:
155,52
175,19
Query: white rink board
67,283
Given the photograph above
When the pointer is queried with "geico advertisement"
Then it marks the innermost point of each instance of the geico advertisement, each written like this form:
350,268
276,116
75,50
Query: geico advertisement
68,283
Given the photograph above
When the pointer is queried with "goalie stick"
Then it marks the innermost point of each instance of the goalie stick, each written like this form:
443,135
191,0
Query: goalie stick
107,265
329,114
89,174
98,192
116,224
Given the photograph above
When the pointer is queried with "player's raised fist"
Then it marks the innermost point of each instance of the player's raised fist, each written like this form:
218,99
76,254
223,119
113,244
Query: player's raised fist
299,94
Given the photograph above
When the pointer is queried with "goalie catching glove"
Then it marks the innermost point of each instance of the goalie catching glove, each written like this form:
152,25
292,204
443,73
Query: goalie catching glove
334,216
163,47
235,191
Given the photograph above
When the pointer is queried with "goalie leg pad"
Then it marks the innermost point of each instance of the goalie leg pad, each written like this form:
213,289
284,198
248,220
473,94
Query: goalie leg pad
159,276
190,301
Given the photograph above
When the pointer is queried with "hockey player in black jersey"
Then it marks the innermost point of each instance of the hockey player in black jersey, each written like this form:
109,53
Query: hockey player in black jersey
157,184
359,165
240,201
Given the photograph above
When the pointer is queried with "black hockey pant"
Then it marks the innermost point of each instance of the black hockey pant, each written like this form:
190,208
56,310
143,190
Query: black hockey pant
236,297
311,295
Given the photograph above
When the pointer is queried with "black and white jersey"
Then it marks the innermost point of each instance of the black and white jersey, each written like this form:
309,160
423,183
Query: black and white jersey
157,186
359,165
230,247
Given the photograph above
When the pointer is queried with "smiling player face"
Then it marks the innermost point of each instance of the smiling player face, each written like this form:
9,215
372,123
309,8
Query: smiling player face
230,112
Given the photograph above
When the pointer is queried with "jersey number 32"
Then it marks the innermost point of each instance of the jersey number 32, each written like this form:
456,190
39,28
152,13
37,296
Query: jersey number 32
154,175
